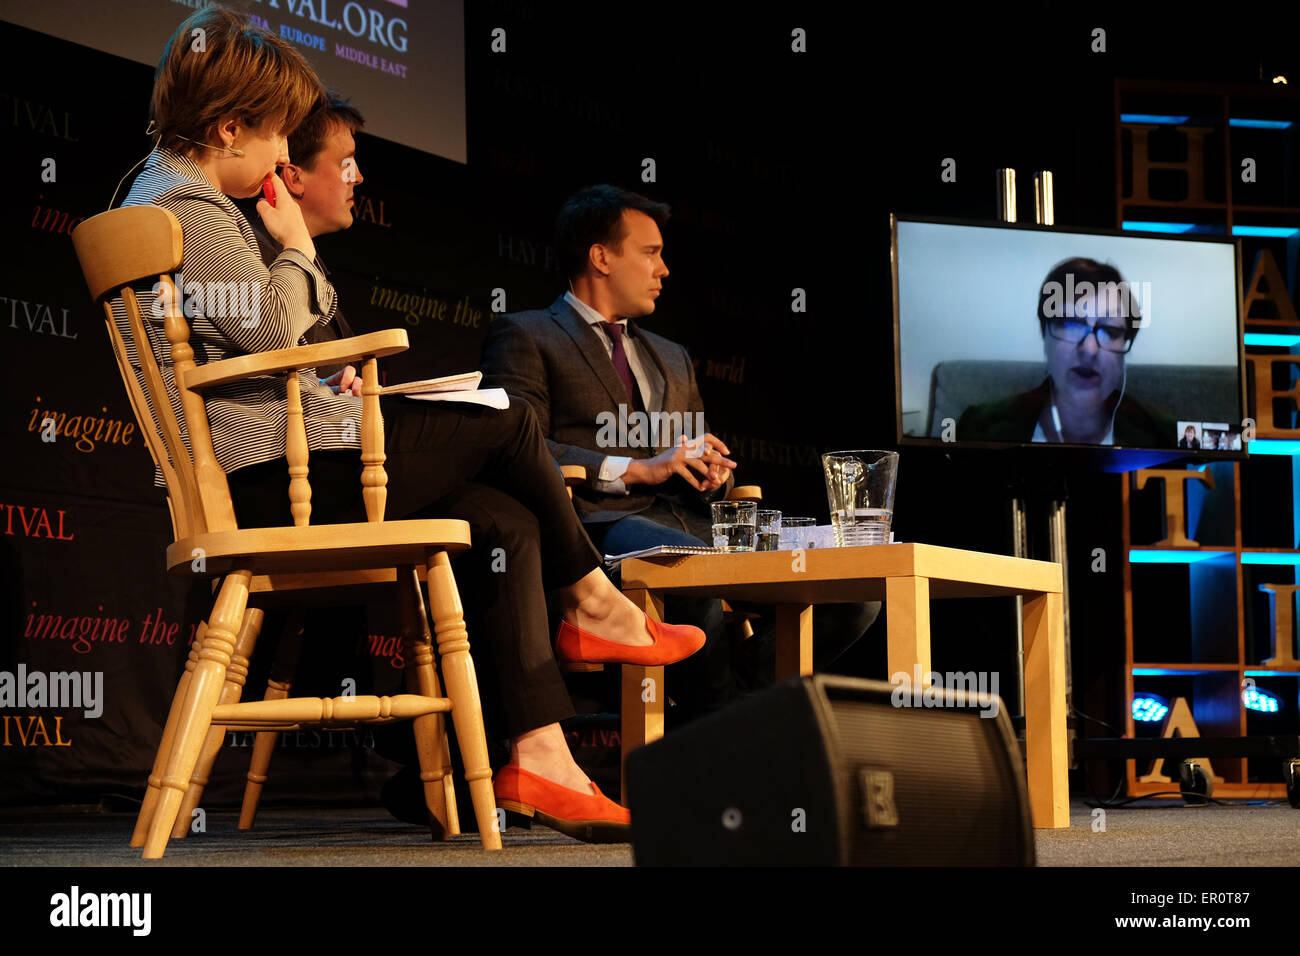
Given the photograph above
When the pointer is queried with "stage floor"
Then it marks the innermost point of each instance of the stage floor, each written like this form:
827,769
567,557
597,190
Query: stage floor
1153,833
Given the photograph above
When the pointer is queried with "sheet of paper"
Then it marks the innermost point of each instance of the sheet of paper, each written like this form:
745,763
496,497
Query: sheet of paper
491,397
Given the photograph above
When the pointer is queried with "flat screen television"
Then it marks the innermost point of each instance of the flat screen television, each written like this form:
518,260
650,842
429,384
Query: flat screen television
1035,336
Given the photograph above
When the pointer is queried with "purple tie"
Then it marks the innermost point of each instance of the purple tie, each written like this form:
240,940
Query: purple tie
619,357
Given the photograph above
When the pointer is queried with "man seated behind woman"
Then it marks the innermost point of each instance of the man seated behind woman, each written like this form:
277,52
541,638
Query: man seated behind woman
221,116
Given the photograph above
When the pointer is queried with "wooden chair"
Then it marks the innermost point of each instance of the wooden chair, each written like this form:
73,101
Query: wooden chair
573,475
745,493
143,243
264,745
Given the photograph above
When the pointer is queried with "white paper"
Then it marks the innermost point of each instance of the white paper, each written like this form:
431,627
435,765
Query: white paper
491,397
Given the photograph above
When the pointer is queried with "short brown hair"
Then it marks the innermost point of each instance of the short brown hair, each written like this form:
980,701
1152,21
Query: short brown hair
594,215
1085,270
306,142
231,68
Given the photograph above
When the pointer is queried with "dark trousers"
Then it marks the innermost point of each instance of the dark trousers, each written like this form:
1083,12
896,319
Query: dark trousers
718,673
492,469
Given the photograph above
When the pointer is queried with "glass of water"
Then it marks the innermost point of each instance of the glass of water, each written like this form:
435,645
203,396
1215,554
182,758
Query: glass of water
797,533
769,531
734,524
860,491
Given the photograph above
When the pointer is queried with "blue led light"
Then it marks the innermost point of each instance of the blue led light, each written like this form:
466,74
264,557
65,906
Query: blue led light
1261,124
1138,225
1252,698
1270,338
1266,232
1149,709
1153,118
1274,446
1264,557
1270,232
1158,556
1163,120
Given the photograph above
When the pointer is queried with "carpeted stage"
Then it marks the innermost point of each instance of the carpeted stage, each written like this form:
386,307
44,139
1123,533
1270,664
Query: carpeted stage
1150,833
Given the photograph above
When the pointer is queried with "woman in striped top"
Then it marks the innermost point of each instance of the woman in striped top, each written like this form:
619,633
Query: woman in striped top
225,95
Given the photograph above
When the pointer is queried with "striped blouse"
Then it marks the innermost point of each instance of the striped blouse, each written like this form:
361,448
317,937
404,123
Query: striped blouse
236,305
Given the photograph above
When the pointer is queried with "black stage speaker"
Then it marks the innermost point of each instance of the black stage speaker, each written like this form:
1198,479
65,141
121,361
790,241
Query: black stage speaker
829,770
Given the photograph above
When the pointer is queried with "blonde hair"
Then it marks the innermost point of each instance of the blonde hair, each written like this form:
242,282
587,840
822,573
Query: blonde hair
230,68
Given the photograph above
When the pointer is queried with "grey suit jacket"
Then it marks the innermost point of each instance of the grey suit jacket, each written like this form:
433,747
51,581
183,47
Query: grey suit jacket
290,296
553,360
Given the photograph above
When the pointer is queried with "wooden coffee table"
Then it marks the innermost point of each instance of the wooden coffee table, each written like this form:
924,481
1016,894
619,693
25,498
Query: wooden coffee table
906,577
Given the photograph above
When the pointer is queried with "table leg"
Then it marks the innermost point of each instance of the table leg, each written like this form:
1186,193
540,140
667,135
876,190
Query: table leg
642,695
907,609
794,639
1045,737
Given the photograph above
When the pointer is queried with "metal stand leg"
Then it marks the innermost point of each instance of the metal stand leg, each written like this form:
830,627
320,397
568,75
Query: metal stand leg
1056,526
1020,548
1057,553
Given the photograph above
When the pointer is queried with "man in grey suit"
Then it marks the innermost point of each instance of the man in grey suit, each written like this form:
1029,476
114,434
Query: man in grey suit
623,402
611,396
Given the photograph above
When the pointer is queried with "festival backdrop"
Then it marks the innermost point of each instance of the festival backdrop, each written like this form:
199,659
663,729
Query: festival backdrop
780,167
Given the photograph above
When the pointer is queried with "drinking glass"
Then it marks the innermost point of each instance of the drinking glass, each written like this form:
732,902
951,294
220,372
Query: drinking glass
797,533
734,524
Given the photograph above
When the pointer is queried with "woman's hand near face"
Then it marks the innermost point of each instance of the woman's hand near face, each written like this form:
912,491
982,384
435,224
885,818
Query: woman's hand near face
284,220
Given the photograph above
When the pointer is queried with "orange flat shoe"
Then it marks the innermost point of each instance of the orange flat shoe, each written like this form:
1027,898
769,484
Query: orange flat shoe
592,817
672,643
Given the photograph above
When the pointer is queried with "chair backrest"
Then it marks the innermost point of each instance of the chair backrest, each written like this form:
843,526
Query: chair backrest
117,250
573,475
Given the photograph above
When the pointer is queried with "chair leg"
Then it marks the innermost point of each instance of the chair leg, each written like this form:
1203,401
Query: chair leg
258,767
430,730
196,713
231,692
153,791
448,781
283,668
462,688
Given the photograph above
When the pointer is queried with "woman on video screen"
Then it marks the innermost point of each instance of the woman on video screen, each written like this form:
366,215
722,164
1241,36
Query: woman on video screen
1082,400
